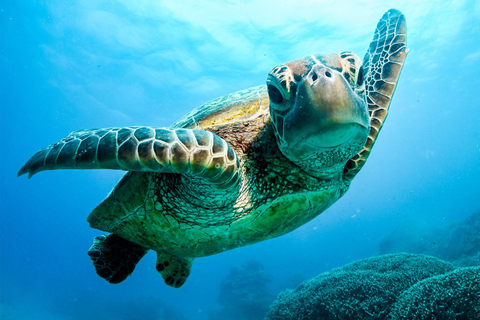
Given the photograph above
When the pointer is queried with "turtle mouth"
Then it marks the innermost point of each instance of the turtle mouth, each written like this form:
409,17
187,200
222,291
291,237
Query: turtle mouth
331,137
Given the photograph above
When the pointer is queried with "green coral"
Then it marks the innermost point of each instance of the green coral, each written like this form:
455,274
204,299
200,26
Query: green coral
364,289
455,295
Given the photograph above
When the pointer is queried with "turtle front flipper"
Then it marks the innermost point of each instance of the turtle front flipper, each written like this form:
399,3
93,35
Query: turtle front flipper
115,258
185,151
381,69
174,270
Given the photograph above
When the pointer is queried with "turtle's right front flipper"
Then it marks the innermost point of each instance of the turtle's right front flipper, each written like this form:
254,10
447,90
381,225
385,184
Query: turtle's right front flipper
184,151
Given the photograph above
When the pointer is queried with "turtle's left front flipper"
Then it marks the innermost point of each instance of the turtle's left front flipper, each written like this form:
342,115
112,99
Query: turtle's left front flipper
382,65
185,151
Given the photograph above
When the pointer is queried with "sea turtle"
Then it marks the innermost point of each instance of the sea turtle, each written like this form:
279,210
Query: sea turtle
243,168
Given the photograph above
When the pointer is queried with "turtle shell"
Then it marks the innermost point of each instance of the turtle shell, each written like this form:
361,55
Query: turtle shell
237,107
246,110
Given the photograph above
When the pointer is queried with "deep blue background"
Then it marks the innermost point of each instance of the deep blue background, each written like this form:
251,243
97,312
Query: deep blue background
77,65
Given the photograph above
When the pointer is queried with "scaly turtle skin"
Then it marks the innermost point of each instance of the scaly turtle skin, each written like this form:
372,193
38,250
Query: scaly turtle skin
240,169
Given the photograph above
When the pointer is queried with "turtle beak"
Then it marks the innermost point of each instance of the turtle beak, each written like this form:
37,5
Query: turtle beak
327,113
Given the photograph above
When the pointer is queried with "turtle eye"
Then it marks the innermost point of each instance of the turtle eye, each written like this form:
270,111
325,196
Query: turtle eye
274,94
281,87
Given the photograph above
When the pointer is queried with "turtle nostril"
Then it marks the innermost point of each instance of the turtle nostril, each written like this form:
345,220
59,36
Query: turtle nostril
314,77
328,74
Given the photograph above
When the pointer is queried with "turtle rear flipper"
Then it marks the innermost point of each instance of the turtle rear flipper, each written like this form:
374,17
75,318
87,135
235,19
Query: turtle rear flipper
115,258
174,270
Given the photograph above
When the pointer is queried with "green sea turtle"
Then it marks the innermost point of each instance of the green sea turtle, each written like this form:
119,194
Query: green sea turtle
243,168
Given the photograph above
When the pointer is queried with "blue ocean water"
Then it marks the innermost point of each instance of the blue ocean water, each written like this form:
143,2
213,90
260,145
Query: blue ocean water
90,64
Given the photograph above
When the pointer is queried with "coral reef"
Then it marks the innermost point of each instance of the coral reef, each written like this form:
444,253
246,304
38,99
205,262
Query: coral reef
244,293
455,295
365,289
459,243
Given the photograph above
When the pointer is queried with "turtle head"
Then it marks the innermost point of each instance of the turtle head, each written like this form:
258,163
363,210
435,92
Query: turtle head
318,110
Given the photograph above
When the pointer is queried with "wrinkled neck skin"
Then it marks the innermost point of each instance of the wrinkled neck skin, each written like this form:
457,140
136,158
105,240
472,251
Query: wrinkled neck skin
326,164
